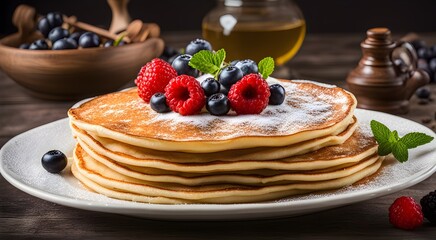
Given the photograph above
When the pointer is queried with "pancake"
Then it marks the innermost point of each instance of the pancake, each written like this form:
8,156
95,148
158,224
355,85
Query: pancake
102,179
111,147
360,145
310,111
253,177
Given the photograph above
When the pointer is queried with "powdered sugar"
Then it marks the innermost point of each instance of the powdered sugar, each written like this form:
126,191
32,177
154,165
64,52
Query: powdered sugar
300,110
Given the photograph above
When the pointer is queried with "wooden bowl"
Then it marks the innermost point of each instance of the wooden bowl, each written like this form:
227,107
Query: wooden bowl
70,74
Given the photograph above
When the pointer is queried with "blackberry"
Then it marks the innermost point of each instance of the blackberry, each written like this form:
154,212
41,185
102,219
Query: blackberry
428,204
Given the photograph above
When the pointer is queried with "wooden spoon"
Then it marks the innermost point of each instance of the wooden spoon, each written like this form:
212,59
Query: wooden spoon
91,28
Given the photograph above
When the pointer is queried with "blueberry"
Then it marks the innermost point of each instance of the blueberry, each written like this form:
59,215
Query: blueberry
277,94
432,65
24,46
44,27
158,102
64,43
218,104
233,63
110,43
417,44
197,45
75,36
169,52
180,64
229,76
39,44
423,92
424,53
54,19
171,59
247,66
57,33
89,40
54,161
210,86
224,90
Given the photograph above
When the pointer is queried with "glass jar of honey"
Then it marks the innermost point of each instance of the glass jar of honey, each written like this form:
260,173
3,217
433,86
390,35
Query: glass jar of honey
254,29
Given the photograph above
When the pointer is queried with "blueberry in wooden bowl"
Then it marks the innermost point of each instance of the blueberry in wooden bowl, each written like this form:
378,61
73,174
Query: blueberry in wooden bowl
70,74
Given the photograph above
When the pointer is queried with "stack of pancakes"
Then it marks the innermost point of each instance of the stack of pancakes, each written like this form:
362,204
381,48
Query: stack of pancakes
311,142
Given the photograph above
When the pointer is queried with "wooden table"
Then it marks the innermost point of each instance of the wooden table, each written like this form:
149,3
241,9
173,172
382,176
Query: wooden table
326,58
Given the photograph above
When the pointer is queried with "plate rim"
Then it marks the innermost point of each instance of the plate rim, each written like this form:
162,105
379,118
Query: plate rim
198,210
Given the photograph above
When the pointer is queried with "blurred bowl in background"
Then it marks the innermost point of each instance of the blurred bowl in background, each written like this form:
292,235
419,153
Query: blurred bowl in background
75,74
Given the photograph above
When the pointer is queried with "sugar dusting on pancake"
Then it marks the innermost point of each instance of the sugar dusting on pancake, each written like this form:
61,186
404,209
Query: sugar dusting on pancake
307,106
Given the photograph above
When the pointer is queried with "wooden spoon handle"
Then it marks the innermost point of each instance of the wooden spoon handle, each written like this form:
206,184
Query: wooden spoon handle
91,28
120,15
24,19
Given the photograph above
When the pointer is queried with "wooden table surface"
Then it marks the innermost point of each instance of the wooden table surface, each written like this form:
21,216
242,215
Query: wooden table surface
326,58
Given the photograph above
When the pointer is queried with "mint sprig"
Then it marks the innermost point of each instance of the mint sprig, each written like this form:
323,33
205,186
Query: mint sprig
208,62
390,142
266,67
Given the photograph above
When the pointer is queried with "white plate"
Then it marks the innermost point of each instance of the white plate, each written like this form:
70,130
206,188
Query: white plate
20,165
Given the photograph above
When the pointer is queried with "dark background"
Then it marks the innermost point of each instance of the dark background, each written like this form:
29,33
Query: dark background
322,16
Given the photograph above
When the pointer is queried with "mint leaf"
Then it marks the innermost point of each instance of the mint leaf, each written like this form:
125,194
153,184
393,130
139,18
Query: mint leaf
399,150
415,139
390,142
208,62
385,148
380,131
266,67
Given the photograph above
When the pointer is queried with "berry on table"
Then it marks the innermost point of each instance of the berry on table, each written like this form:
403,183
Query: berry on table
218,104
54,161
423,92
185,95
428,204
229,76
277,94
58,33
39,44
89,40
158,103
65,43
247,66
250,95
405,213
154,77
181,65
210,86
197,45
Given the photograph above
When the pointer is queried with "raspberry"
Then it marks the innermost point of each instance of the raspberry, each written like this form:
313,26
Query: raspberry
405,213
250,95
428,204
185,95
153,78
